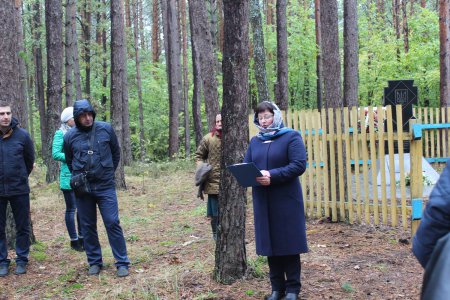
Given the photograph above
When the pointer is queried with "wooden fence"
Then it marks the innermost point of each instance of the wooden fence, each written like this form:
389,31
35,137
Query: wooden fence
347,178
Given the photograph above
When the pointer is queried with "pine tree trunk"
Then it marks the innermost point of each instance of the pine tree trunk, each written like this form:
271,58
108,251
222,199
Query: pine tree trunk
187,144
444,40
220,15
155,32
39,74
141,24
172,47
405,27
319,79
196,93
22,105
330,53
138,82
86,35
53,27
69,53
76,61
281,90
118,82
259,55
350,53
230,249
104,65
203,40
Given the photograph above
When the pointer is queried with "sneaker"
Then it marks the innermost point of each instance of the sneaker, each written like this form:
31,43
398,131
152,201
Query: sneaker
4,270
94,270
20,269
122,271
76,245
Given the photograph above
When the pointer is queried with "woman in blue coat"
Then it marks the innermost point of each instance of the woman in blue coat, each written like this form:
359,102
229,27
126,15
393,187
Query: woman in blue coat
279,217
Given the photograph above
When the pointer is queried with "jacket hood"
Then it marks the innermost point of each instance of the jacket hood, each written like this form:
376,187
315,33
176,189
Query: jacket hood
14,123
80,107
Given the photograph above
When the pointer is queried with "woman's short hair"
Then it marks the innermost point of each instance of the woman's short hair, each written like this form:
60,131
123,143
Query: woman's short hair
263,106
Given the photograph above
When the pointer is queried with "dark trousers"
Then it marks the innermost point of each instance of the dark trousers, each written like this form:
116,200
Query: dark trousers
107,204
20,206
71,214
285,273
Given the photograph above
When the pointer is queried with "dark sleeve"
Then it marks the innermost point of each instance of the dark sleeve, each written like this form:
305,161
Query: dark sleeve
68,151
296,153
435,222
115,148
28,153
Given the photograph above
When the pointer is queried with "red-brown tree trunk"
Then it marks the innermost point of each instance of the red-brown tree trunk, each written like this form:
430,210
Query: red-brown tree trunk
444,52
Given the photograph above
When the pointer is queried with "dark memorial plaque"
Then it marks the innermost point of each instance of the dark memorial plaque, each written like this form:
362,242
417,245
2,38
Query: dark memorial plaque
401,92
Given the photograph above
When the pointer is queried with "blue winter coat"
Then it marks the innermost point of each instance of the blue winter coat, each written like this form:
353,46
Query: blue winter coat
16,161
278,208
436,219
106,156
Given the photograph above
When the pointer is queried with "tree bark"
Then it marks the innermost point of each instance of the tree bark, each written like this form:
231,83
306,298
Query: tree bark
39,74
196,94
76,61
138,82
127,14
69,53
444,52
141,23
187,144
350,53
203,40
53,27
156,52
22,103
259,55
396,22
119,89
281,90
423,3
86,35
172,47
319,79
230,249
330,53
220,15
405,27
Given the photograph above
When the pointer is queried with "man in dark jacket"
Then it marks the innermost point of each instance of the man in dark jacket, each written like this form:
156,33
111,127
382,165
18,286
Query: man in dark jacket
431,242
99,161
16,164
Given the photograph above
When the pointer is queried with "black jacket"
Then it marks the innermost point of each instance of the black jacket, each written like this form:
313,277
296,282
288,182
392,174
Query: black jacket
16,161
106,150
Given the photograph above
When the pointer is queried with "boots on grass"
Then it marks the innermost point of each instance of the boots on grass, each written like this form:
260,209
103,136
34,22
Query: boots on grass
75,245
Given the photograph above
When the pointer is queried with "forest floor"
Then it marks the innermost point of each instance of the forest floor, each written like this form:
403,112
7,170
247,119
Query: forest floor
172,252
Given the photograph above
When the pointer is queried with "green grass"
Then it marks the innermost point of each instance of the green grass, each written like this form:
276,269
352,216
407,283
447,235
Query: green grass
346,286
257,267
38,251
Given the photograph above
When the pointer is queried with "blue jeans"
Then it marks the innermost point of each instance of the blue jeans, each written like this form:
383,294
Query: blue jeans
106,201
20,206
71,208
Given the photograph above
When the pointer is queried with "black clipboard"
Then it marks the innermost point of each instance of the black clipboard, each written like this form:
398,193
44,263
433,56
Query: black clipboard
245,173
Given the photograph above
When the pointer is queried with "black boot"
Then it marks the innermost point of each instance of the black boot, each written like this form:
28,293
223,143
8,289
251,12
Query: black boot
275,296
81,242
214,221
75,245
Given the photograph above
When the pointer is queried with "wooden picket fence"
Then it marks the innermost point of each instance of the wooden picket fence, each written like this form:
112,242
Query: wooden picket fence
346,178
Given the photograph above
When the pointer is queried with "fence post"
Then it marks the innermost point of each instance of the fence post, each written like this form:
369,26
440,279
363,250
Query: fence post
416,177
